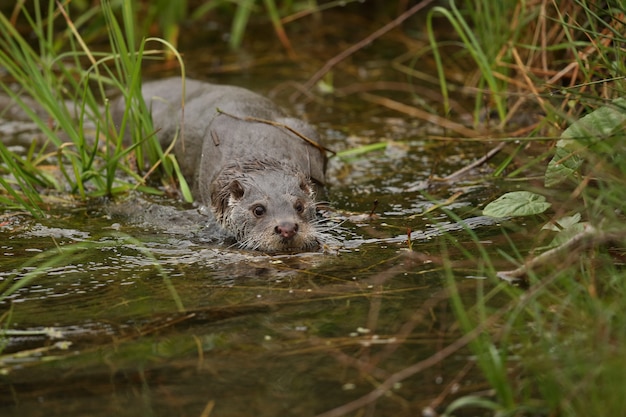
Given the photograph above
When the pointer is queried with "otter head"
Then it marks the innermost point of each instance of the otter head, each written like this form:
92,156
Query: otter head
267,205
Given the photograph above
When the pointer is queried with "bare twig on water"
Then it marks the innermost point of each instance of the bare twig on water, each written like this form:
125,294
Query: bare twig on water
359,45
476,163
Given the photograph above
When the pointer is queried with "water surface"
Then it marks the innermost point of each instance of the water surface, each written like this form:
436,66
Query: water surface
136,320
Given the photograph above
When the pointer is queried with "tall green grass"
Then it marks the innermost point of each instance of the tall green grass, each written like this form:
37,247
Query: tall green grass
532,56
483,28
558,345
72,84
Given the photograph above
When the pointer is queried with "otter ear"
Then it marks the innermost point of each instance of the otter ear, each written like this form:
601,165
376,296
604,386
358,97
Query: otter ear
236,189
306,186
224,196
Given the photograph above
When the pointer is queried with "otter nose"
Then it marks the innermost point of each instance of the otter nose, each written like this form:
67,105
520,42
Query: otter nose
286,230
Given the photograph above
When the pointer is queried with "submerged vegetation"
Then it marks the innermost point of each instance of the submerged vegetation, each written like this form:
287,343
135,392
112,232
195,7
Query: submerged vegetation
548,325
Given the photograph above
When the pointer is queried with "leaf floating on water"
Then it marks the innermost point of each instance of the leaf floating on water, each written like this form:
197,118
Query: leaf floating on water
516,204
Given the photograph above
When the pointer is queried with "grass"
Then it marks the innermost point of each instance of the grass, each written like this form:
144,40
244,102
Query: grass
558,345
72,86
482,34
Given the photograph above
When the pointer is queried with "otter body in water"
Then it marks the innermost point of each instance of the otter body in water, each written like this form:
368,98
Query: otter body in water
240,154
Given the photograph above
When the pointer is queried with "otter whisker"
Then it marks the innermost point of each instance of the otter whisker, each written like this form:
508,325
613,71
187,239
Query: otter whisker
258,178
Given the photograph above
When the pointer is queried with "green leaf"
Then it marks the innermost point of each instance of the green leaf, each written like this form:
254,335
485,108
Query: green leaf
564,164
600,123
516,204
582,137
562,223
567,234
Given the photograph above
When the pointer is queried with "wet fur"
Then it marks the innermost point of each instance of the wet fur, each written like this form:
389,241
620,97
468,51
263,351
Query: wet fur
235,162
237,191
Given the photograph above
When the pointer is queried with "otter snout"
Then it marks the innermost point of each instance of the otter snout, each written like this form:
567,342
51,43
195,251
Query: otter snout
267,205
286,230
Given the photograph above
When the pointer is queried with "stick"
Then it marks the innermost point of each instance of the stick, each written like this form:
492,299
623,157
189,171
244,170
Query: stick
476,163
585,239
361,44
311,142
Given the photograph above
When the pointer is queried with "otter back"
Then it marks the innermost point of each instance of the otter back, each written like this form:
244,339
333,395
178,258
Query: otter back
255,175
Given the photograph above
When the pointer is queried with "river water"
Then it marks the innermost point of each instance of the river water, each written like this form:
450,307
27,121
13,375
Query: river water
141,321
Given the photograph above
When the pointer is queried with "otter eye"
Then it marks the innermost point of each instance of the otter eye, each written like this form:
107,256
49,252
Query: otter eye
258,210
299,206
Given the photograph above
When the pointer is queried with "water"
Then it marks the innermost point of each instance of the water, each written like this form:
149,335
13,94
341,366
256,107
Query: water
259,334
146,322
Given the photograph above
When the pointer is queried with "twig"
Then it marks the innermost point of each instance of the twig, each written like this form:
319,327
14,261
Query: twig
373,210
361,44
476,163
451,386
587,238
311,142
420,114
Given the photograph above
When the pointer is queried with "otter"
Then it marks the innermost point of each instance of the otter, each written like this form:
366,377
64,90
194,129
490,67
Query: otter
256,168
